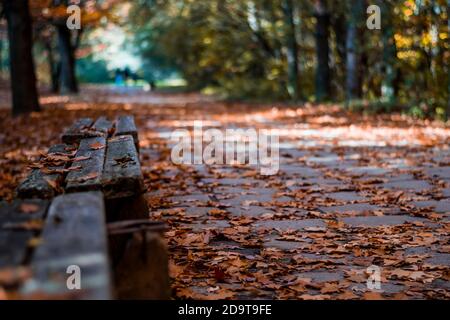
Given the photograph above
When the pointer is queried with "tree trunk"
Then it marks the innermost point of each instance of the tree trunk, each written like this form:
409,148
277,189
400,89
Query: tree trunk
388,86
339,25
53,67
353,50
67,79
1,55
322,51
448,67
23,77
292,51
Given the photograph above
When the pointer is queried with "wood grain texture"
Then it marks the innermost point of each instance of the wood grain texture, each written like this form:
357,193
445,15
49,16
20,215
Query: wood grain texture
74,234
14,234
122,176
89,176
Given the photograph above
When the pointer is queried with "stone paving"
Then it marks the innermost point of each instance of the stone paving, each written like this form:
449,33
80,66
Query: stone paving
341,201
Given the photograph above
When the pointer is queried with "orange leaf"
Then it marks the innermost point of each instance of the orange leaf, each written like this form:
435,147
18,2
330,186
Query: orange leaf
29,208
96,146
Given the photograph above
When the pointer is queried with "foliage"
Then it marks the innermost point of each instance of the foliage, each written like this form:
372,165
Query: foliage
90,70
240,47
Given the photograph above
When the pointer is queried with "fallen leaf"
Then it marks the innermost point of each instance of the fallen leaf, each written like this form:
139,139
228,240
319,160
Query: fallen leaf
347,295
219,274
34,242
330,288
36,224
29,208
315,297
89,176
217,212
175,270
96,146
80,158
372,296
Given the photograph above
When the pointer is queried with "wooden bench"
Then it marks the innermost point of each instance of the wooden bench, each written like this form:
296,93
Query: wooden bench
96,158
45,240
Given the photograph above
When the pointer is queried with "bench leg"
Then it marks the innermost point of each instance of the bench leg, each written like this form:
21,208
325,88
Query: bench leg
129,208
143,272
139,259
123,209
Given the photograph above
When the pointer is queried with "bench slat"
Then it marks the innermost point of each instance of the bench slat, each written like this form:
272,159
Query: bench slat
78,131
125,126
88,177
103,125
16,222
37,185
122,176
74,235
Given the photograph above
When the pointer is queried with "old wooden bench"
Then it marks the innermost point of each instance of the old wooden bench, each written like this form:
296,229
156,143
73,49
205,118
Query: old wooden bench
96,177
44,240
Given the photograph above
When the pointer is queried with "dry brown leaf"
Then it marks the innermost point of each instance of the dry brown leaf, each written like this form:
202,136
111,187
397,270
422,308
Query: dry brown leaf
330,288
372,296
29,208
36,224
347,295
34,242
175,270
89,176
315,297
96,146
80,158
217,212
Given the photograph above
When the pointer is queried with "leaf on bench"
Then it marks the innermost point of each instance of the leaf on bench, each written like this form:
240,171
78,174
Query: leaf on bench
45,180
80,159
97,146
28,207
89,176
103,126
77,131
27,225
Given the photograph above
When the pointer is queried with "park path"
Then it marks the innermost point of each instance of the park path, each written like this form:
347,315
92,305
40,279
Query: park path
352,192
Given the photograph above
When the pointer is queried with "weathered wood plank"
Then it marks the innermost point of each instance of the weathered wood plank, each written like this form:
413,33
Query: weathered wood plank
122,176
44,185
78,131
19,223
74,235
103,125
88,177
125,126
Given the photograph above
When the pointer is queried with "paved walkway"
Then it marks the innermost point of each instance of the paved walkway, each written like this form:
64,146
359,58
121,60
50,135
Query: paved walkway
351,192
